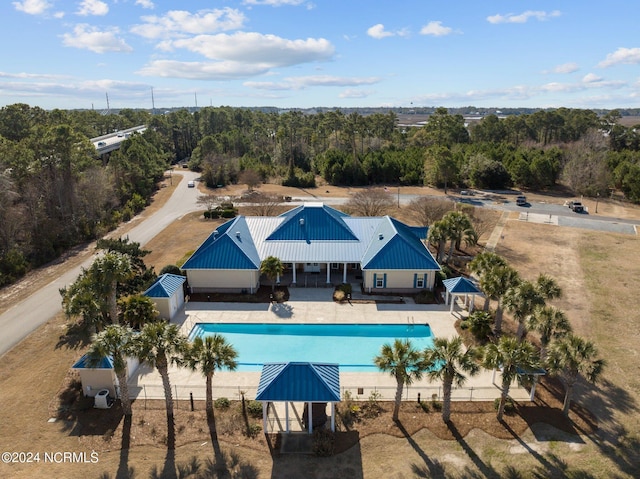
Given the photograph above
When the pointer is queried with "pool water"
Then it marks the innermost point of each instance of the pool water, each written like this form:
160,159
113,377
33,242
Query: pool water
352,346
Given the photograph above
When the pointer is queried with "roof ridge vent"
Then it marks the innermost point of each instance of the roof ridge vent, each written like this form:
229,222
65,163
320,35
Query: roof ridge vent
380,236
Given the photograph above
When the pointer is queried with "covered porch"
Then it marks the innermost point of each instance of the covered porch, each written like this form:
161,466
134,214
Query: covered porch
317,275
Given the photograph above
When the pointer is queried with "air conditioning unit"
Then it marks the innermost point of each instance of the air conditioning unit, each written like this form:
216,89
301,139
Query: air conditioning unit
103,399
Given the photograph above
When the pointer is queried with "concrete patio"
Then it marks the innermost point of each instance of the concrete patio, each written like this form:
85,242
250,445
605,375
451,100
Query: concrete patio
315,306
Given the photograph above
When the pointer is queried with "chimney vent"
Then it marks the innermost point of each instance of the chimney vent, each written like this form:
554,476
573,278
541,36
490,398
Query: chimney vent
301,221
380,236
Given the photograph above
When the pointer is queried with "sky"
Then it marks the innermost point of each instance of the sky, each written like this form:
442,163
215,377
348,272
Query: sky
71,54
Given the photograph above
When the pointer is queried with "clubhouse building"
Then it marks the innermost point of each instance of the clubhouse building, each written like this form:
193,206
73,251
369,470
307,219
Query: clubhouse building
318,245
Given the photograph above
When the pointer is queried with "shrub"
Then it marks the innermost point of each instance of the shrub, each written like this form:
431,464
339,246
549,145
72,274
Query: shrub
279,296
221,403
226,206
254,430
345,288
464,324
228,213
436,405
207,214
480,324
339,295
254,408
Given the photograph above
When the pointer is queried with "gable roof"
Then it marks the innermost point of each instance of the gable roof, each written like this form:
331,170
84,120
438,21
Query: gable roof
313,222
228,247
461,285
165,286
83,363
309,382
314,233
396,246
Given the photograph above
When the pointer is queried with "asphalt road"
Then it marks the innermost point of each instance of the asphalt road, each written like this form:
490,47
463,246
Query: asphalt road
42,305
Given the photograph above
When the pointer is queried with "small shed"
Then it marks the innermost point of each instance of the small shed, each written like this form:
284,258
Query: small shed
167,292
102,375
314,384
460,286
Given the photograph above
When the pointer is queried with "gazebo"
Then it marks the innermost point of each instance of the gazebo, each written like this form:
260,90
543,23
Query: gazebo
311,383
460,286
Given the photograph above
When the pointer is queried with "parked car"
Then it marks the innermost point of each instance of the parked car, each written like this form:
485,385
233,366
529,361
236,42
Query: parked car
102,143
521,200
191,184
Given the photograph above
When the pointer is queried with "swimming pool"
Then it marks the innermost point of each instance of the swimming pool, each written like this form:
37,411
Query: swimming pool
352,346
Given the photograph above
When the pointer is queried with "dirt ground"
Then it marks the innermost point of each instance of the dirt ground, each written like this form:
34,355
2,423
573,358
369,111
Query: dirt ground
600,439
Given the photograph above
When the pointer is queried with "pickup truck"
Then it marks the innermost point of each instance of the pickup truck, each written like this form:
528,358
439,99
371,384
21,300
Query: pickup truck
576,206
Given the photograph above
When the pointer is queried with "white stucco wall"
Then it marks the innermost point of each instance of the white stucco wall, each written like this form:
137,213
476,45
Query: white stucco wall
93,380
202,281
401,280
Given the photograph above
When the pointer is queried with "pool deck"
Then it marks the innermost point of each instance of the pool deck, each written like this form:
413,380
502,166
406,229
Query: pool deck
314,306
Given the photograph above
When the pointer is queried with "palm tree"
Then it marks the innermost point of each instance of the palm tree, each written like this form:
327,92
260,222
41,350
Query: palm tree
495,282
458,223
548,287
210,355
271,267
447,362
137,310
404,363
437,236
161,344
485,261
114,342
571,357
522,300
106,272
511,356
550,323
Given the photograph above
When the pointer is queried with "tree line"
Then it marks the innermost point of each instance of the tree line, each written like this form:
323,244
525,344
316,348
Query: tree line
56,192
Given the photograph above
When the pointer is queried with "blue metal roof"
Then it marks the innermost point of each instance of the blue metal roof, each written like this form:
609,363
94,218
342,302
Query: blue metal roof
396,246
313,222
229,247
165,286
308,382
82,363
460,285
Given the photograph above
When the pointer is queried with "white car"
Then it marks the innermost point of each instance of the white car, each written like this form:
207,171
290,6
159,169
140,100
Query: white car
191,184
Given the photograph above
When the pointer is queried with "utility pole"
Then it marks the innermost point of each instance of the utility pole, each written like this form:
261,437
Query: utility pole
153,104
108,107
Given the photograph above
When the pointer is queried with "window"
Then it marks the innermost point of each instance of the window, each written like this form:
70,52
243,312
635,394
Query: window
379,282
335,265
420,282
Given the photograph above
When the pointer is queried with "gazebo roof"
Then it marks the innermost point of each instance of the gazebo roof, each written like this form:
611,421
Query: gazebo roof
460,285
306,382
83,363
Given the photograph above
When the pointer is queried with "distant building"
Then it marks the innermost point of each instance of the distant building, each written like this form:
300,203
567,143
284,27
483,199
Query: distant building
315,243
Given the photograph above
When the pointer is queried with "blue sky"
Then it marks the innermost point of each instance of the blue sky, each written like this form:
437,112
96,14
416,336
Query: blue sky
298,53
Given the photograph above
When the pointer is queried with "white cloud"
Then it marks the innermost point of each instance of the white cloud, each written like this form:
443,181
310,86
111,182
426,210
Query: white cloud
145,4
299,83
225,70
436,29
90,38
250,47
523,17
351,93
591,78
32,7
92,7
179,22
621,55
378,32
274,3
566,68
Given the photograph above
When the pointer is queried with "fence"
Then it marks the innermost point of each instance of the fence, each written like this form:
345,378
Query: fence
183,394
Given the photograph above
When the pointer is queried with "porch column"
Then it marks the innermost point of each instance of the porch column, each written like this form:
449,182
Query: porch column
328,273
294,273
453,301
286,415
310,415
533,388
344,273
278,278
333,417
265,412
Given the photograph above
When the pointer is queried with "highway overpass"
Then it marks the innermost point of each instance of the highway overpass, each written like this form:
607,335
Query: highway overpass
108,143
